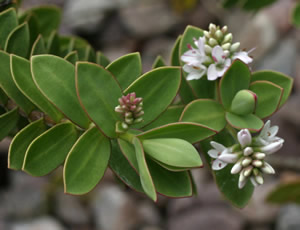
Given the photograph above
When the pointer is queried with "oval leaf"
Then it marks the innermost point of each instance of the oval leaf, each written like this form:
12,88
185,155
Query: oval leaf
268,97
126,69
38,46
205,112
86,162
172,151
98,93
158,89
21,74
286,193
8,122
175,59
21,141
9,22
296,15
158,62
55,77
101,59
50,149
72,57
251,121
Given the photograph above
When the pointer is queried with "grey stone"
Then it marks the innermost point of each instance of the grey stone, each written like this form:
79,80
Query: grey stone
148,213
42,223
288,218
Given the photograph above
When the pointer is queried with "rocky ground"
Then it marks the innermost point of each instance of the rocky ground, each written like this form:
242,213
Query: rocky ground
117,27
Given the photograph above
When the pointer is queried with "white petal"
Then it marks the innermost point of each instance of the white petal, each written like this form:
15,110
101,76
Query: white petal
218,54
255,184
244,137
193,76
228,158
243,56
267,168
273,131
236,168
271,148
219,147
212,73
218,164
200,44
190,56
213,153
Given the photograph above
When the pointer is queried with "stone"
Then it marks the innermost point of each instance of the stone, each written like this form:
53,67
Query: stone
149,213
42,223
288,218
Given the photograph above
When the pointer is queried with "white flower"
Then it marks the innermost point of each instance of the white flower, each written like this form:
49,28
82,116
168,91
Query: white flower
195,72
222,155
243,56
268,135
221,64
244,137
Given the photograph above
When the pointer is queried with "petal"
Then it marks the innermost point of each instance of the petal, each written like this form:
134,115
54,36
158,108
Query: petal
243,56
218,54
218,164
200,45
255,184
213,153
219,147
271,148
189,56
273,131
267,168
228,158
244,137
212,73
236,168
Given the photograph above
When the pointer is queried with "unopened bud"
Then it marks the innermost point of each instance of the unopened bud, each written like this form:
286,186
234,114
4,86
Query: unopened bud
247,161
219,34
124,125
259,156
212,28
248,171
207,49
206,34
234,47
224,29
257,163
267,168
212,42
237,167
248,151
139,120
227,38
228,157
128,114
226,46
259,179
129,120
244,137
271,148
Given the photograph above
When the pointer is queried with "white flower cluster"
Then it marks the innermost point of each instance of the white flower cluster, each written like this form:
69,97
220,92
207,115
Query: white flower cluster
249,155
213,54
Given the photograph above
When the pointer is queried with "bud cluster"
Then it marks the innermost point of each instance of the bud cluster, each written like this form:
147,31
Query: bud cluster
248,155
131,109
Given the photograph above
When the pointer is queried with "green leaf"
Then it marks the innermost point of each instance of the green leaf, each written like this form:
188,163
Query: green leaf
126,69
3,97
55,77
190,132
72,57
158,89
203,88
123,170
21,141
173,152
8,122
98,93
8,85
38,46
53,45
158,62
49,18
171,115
9,22
66,44
256,5
227,182
268,97
18,41
296,15
244,102
170,184
205,112
21,74
236,78
285,193
229,3
277,78
175,59
128,151
86,162
188,36
186,92
101,59
33,26
251,121
50,149
146,179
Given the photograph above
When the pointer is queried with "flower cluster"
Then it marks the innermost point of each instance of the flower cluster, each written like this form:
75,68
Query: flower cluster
248,155
213,54
131,109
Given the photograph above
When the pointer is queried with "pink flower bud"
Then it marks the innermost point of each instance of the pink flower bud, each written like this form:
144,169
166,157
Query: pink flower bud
244,137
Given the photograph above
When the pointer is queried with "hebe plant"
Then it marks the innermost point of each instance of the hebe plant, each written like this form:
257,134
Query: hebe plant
66,104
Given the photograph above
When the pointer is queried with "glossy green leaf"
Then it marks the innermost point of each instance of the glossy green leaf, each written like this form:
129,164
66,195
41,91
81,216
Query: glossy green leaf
33,26
268,97
296,15
172,151
170,184
190,132
146,179
227,182
38,46
86,162
98,93
158,62
244,102
171,115
49,18
186,92
18,41
171,168
21,141
256,5
66,44
158,89
203,88
205,112
9,22
52,44
236,78
251,121
175,59
285,193
72,57
126,69
277,78
101,59
8,122
50,149
123,170
55,77
21,74
8,85
129,153
3,97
